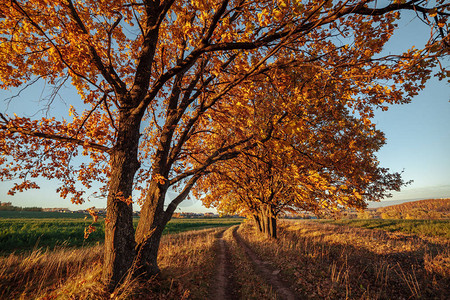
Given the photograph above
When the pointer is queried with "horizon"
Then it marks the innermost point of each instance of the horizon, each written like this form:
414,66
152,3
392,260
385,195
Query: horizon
371,204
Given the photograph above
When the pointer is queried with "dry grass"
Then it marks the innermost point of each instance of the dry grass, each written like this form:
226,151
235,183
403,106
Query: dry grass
186,261
327,261
323,261
189,259
27,275
249,284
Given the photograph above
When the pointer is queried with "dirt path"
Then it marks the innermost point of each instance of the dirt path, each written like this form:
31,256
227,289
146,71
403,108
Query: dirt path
267,272
223,287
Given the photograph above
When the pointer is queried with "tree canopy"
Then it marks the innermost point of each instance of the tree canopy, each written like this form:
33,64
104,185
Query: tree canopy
159,79
320,156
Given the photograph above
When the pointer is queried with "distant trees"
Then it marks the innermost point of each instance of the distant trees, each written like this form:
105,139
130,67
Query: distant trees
6,206
319,158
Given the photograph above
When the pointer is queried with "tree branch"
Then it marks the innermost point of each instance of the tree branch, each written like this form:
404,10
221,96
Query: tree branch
108,72
50,136
184,193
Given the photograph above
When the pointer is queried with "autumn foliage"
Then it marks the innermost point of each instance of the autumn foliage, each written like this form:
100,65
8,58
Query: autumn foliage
167,91
319,158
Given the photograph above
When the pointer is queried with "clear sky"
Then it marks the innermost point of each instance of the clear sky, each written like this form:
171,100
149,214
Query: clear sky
418,137
418,133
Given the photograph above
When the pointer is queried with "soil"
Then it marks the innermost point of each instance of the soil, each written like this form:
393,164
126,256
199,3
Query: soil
224,287
267,272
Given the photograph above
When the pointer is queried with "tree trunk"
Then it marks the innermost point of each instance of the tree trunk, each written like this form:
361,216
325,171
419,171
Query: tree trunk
273,227
268,223
262,222
258,222
149,230
119,232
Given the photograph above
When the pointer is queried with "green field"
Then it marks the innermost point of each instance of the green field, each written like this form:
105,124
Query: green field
12,214
433,228
23,232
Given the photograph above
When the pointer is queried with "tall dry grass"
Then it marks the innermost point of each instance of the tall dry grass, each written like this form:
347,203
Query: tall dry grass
186,261
326,261
248,284
26,276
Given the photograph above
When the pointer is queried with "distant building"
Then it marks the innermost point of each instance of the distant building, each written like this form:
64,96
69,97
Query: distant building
210,215
56,209
190,215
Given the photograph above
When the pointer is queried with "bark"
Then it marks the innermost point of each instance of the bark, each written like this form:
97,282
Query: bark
264,224
152,223
268,223
149,231
273,227
119,233
153,217
258,222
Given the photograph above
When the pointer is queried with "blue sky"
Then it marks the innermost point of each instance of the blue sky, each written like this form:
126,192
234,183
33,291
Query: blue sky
418,137
418,133
418,142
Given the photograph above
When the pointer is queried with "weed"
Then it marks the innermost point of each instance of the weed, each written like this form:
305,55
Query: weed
184,259
328,261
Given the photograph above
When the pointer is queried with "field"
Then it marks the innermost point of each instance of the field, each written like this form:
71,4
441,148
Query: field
24,231
436,228
354,259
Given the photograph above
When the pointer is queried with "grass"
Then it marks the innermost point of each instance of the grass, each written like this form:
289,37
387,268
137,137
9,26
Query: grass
431,228
186,261
319,259
248,282
328,261
27,234
22,234
5,214
181,225
25,276
188,258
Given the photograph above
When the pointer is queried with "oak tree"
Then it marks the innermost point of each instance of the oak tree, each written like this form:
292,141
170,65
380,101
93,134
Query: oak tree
320,157
155,78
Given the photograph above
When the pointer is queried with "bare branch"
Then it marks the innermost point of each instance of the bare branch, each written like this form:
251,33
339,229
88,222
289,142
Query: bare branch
63,60
50,136
108,72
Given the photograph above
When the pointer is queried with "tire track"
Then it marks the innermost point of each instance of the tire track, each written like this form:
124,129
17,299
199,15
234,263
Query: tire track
223,287
270,275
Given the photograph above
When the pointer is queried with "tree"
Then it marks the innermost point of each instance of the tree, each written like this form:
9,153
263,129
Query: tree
154,79
320,158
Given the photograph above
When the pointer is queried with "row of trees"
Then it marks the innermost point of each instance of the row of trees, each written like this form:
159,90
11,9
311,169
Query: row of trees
319,157
268,100
8,207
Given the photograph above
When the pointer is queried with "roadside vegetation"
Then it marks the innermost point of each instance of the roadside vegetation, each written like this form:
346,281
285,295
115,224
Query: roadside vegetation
328,261
186,261
19,234
343,259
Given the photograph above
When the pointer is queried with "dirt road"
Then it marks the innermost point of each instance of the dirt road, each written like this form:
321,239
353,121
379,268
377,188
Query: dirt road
225,287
